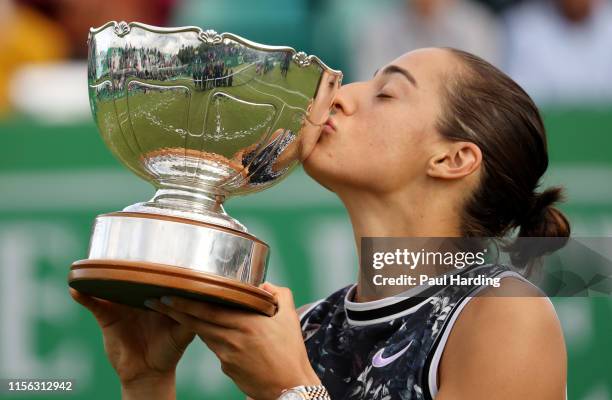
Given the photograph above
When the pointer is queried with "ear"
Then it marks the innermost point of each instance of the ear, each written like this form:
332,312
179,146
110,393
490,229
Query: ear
459,159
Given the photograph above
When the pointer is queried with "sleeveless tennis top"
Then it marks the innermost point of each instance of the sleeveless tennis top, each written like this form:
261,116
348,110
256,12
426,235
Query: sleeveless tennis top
387,349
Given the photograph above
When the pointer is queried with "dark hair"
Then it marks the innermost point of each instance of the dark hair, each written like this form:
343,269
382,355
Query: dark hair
484,106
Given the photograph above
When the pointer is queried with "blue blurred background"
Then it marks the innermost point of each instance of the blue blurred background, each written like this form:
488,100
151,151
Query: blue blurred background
56,174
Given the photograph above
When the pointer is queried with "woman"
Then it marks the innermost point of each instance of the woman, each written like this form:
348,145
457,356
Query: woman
438,143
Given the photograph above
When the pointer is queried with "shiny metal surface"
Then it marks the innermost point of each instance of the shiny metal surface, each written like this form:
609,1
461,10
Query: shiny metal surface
204,116
180,244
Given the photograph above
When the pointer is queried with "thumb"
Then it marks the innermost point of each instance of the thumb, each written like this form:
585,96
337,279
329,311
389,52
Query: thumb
181,336
270,288
283,295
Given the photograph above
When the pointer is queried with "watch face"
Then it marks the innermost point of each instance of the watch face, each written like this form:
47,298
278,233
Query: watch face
291,395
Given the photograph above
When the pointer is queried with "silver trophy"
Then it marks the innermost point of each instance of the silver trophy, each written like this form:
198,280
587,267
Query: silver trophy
202,116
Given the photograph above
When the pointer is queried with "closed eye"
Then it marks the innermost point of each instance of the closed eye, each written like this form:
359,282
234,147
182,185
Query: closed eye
384,96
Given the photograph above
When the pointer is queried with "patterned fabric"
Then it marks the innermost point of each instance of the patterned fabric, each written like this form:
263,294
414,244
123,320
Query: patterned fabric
382,350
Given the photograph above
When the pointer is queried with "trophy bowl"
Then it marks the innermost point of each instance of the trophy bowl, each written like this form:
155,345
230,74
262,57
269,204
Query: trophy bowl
202,116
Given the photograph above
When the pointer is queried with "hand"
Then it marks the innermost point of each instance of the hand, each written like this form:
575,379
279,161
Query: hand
143,346
263,355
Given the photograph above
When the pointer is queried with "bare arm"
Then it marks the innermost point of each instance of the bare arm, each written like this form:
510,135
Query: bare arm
143,347
299,311
154,388
505,348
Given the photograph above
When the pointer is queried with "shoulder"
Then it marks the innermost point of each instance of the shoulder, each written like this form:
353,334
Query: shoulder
327,303
303,309
509,341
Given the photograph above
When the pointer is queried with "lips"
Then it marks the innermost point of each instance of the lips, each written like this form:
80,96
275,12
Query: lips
329,125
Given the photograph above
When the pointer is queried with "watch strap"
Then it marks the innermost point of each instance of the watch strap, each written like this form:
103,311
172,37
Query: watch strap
315,392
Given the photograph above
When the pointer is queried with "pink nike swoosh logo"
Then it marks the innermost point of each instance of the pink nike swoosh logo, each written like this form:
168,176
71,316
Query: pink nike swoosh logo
379,361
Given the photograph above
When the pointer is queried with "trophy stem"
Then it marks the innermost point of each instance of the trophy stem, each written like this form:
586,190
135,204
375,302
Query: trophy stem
190,199
185,202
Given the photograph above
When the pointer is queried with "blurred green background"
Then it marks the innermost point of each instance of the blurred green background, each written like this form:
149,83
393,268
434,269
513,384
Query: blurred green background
55,179
56,176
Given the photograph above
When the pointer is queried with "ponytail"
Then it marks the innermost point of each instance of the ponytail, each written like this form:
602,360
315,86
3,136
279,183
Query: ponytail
542,220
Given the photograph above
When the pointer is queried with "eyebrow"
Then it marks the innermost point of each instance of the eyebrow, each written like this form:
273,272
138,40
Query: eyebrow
394,69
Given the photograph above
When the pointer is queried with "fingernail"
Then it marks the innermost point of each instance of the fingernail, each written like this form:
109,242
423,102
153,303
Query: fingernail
166,300
150,303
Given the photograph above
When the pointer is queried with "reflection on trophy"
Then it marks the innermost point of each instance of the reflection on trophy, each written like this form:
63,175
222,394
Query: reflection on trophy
202,116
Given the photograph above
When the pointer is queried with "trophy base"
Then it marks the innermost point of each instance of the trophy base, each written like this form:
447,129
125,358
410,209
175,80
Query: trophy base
132,282
136,256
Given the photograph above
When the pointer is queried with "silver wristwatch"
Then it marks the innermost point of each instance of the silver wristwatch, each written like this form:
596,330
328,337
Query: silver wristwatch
317,392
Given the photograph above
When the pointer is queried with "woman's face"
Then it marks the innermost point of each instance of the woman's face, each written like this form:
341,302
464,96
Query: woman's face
382,132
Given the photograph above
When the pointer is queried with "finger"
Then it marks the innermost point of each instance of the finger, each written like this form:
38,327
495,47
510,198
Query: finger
98,307
86,301
208,312
189,323
184,319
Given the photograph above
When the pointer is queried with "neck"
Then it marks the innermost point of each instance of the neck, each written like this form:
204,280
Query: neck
398,215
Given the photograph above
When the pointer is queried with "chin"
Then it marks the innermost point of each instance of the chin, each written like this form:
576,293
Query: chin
315,168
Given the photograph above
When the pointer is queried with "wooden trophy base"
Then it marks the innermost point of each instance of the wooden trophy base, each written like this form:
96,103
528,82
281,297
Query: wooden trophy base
131,283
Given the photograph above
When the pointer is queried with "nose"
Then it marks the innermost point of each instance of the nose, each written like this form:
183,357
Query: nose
345,100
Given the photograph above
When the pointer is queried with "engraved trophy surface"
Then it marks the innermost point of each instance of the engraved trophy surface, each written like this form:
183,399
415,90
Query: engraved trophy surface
202,116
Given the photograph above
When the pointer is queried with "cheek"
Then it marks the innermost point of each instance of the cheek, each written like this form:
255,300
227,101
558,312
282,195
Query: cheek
397,153
379,152
388,143
355,157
